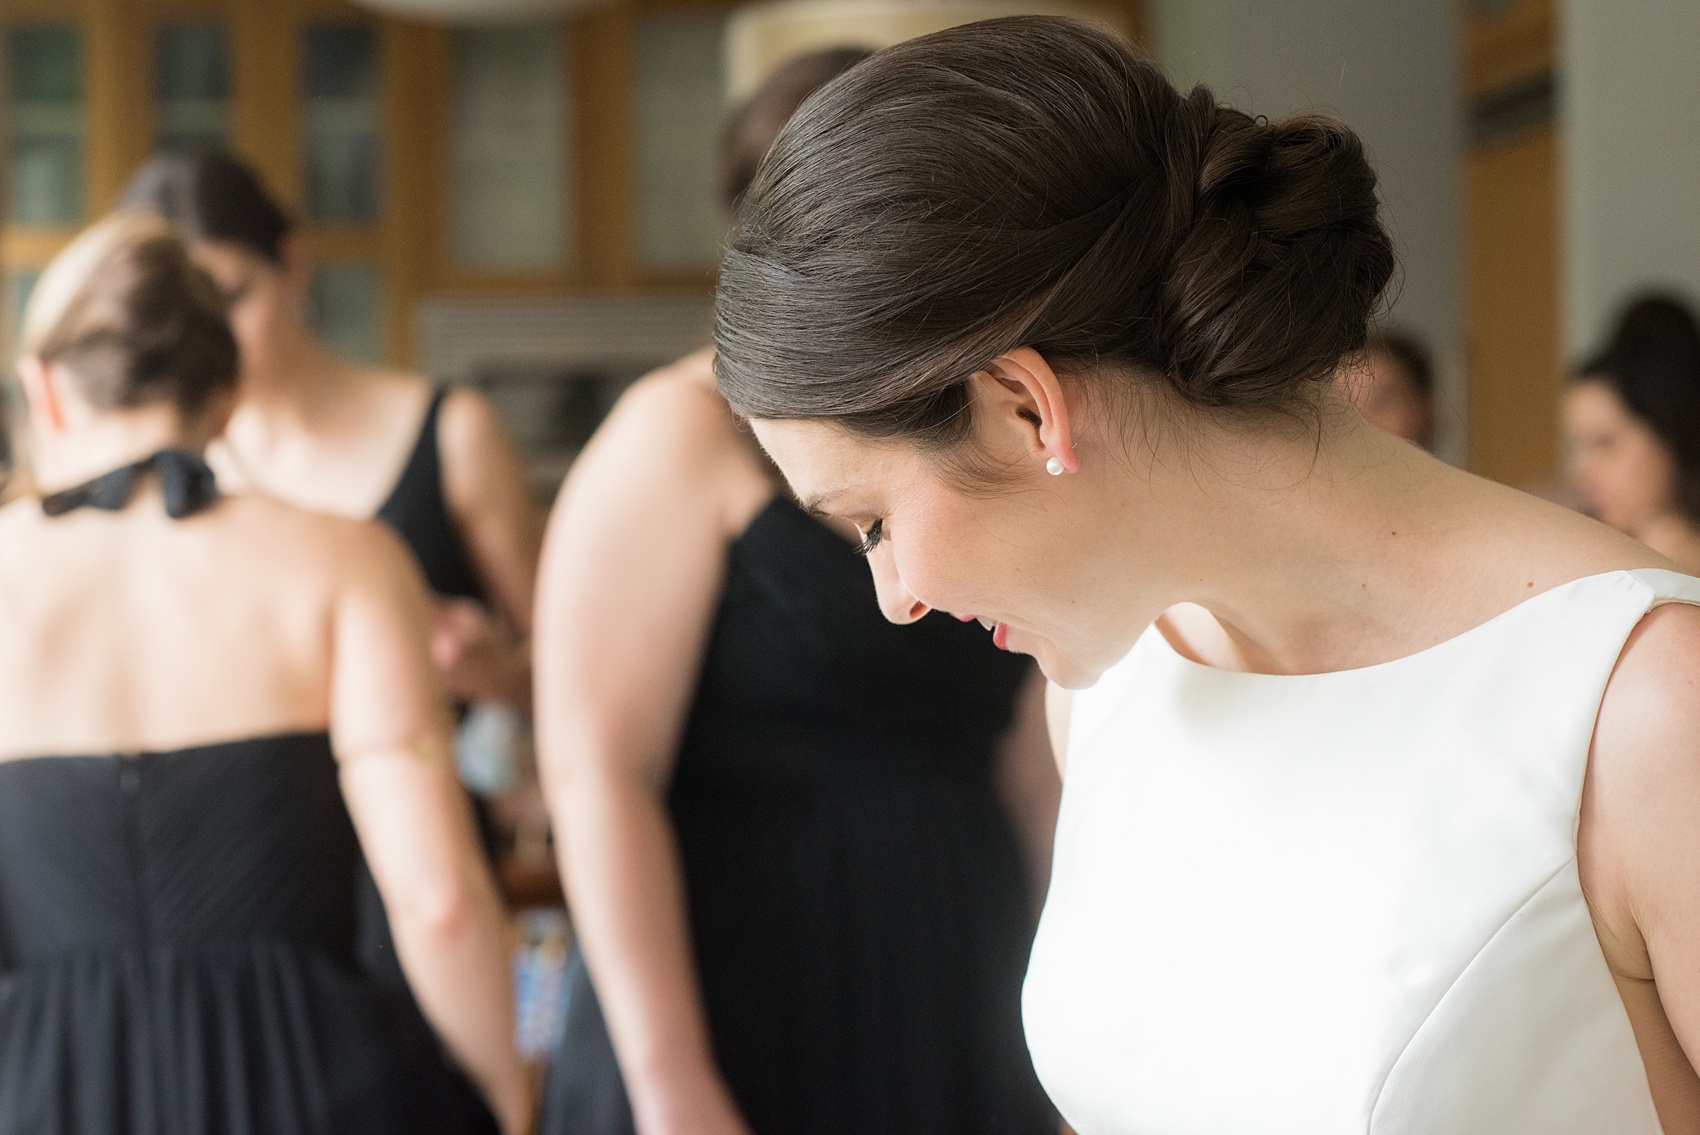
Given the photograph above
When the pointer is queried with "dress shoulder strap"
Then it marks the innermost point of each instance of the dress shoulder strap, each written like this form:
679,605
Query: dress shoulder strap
418,511
424,466
1668,586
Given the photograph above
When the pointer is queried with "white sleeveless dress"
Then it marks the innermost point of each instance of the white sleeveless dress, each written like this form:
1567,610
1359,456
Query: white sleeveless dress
1342,902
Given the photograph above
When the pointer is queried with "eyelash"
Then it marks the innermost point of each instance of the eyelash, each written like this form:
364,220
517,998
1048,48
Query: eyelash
871,540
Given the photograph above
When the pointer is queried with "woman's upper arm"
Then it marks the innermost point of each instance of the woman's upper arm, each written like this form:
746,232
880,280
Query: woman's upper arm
489,495
1639,842
1058,702
389,725
633,565
384,690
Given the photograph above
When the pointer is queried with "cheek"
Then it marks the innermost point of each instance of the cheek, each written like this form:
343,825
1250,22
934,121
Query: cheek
253,322
1647,471
930,570
954,559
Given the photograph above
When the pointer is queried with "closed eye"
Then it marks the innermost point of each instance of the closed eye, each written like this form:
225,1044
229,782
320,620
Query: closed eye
871,538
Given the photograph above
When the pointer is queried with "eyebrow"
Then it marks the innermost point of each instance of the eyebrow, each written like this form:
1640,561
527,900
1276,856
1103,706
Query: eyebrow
815,506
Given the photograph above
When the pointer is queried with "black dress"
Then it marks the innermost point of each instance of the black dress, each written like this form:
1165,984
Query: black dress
419,514
858,908
177,947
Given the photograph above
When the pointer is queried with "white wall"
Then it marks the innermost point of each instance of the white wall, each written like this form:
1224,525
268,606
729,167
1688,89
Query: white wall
1391,69
1629,107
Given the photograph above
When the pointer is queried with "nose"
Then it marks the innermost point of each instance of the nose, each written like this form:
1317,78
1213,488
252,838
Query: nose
897,602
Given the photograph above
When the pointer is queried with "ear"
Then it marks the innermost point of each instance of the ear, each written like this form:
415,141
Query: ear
1020,391
41,392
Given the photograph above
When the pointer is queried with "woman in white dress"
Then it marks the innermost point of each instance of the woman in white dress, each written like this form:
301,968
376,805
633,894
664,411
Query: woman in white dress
1382,782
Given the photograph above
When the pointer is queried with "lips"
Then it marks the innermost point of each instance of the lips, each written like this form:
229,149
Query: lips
1000,631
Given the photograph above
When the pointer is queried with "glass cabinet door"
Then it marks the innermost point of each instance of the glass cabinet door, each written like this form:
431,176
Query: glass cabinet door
47,124
511,205
191,86
346,307
680,88
341,120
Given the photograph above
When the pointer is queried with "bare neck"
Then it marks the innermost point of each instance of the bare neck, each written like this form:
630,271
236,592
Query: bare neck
1298,554
294,390
101,444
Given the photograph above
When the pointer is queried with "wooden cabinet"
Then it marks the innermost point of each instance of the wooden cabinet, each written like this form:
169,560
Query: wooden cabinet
1511,249
560,158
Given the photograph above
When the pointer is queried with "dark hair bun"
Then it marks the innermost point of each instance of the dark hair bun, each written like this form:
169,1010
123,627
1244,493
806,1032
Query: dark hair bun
1276,273
132,318
1032,181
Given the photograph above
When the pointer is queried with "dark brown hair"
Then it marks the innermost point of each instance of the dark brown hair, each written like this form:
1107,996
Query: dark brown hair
1653,363
757,121
210,196
132,319
1032,181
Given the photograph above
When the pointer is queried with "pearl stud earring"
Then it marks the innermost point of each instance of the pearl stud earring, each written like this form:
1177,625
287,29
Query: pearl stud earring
1054,467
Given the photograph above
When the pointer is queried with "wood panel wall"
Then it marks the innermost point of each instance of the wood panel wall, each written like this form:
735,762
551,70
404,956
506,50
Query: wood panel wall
1511,245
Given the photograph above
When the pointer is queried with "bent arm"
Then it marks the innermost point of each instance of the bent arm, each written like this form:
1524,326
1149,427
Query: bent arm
632,571
1638,849
391,737
489,495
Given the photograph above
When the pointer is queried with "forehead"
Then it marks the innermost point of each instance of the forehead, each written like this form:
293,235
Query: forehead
225,258
1595,398
822,460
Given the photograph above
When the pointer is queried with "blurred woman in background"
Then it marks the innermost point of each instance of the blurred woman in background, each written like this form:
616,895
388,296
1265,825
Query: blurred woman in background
211,709
1392,385
798,892
328,433
1632,426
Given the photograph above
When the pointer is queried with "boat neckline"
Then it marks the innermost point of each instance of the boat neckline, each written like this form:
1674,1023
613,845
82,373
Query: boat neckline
1163,644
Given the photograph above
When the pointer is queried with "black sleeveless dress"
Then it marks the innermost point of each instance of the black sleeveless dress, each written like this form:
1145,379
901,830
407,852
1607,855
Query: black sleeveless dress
418,513
177,955
858,907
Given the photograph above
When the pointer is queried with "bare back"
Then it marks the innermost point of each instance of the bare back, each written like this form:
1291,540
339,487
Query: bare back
131,631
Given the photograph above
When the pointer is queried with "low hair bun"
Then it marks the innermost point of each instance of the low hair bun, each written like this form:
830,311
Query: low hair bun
1033,181
1281,263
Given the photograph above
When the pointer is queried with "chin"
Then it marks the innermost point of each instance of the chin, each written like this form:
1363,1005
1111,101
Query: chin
1068,673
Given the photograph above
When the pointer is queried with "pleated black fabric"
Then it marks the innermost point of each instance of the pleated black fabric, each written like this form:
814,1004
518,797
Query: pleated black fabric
177,955
857,901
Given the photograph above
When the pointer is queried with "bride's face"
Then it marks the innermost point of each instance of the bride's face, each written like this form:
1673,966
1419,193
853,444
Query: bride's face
1017,557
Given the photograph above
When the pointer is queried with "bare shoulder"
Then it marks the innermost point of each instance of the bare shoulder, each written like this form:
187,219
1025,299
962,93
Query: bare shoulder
1651,710
672,431
1554,543
20,521
300,544
469,422
18,516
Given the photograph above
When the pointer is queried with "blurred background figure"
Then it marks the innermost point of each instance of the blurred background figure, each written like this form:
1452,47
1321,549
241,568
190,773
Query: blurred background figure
787,827
1632,427
327,433
212,710
1393,386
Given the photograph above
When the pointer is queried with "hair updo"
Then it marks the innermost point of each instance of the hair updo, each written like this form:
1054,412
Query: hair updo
210,196
1031,181
132,319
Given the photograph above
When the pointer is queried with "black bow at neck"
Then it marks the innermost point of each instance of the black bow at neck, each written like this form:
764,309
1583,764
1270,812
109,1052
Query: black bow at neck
185,480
